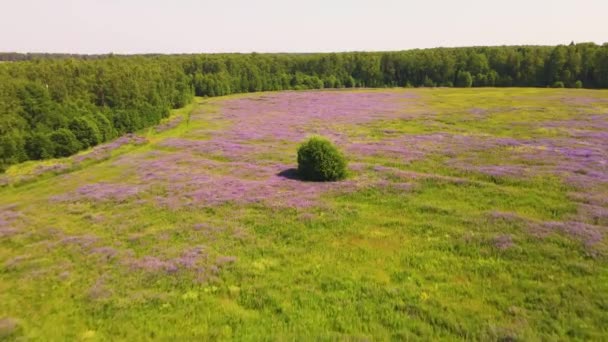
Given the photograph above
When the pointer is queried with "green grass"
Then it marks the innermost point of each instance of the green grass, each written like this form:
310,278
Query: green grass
377,263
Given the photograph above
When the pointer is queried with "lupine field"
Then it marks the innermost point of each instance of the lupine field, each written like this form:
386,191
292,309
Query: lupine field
475,214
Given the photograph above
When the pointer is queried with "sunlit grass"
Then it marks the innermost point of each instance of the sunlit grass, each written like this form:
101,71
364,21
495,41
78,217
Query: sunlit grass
379,262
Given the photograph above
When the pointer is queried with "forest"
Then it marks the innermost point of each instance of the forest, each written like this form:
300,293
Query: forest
56,105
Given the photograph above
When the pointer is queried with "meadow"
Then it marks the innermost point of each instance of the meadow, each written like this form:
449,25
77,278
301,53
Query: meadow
476,214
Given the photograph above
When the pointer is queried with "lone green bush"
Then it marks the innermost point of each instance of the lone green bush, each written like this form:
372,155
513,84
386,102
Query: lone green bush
319,160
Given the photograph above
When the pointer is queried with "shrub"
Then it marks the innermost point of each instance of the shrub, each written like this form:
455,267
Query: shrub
578,84
64,142
320,160
558,84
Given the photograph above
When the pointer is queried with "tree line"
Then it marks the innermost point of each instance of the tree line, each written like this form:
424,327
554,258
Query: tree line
56,105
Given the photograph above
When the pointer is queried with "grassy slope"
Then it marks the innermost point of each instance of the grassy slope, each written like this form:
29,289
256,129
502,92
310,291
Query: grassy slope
377,263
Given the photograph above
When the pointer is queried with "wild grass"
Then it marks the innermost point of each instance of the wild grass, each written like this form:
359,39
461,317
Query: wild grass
424,247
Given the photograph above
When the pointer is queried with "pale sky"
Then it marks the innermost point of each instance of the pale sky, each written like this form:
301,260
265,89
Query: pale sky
190,26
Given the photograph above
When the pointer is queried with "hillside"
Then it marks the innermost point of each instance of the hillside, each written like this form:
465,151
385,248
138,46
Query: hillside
477,214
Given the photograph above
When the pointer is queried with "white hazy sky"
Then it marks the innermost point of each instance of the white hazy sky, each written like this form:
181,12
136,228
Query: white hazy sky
172,26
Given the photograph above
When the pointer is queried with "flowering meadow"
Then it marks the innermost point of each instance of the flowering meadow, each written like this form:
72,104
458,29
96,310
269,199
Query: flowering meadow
467,214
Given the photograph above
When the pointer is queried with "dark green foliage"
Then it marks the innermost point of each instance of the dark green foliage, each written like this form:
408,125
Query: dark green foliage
320,160
558,84
86,131
465,79
39,146
64,142
93,99
578,84
12,148
127,121
106,129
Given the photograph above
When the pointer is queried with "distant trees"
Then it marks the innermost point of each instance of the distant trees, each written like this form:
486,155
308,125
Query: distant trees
81,101
527,66
55,107
464,79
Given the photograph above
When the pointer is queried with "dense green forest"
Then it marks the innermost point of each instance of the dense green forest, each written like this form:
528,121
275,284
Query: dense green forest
55,105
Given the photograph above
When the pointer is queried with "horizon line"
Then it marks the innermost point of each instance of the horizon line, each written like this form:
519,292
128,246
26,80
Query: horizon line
293,52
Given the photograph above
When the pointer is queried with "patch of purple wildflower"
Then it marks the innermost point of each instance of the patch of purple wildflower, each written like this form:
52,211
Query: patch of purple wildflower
165,126
8,326
589,234
53,168
104,151
503,242
9,218
292,116
101,192
99,290
195,259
